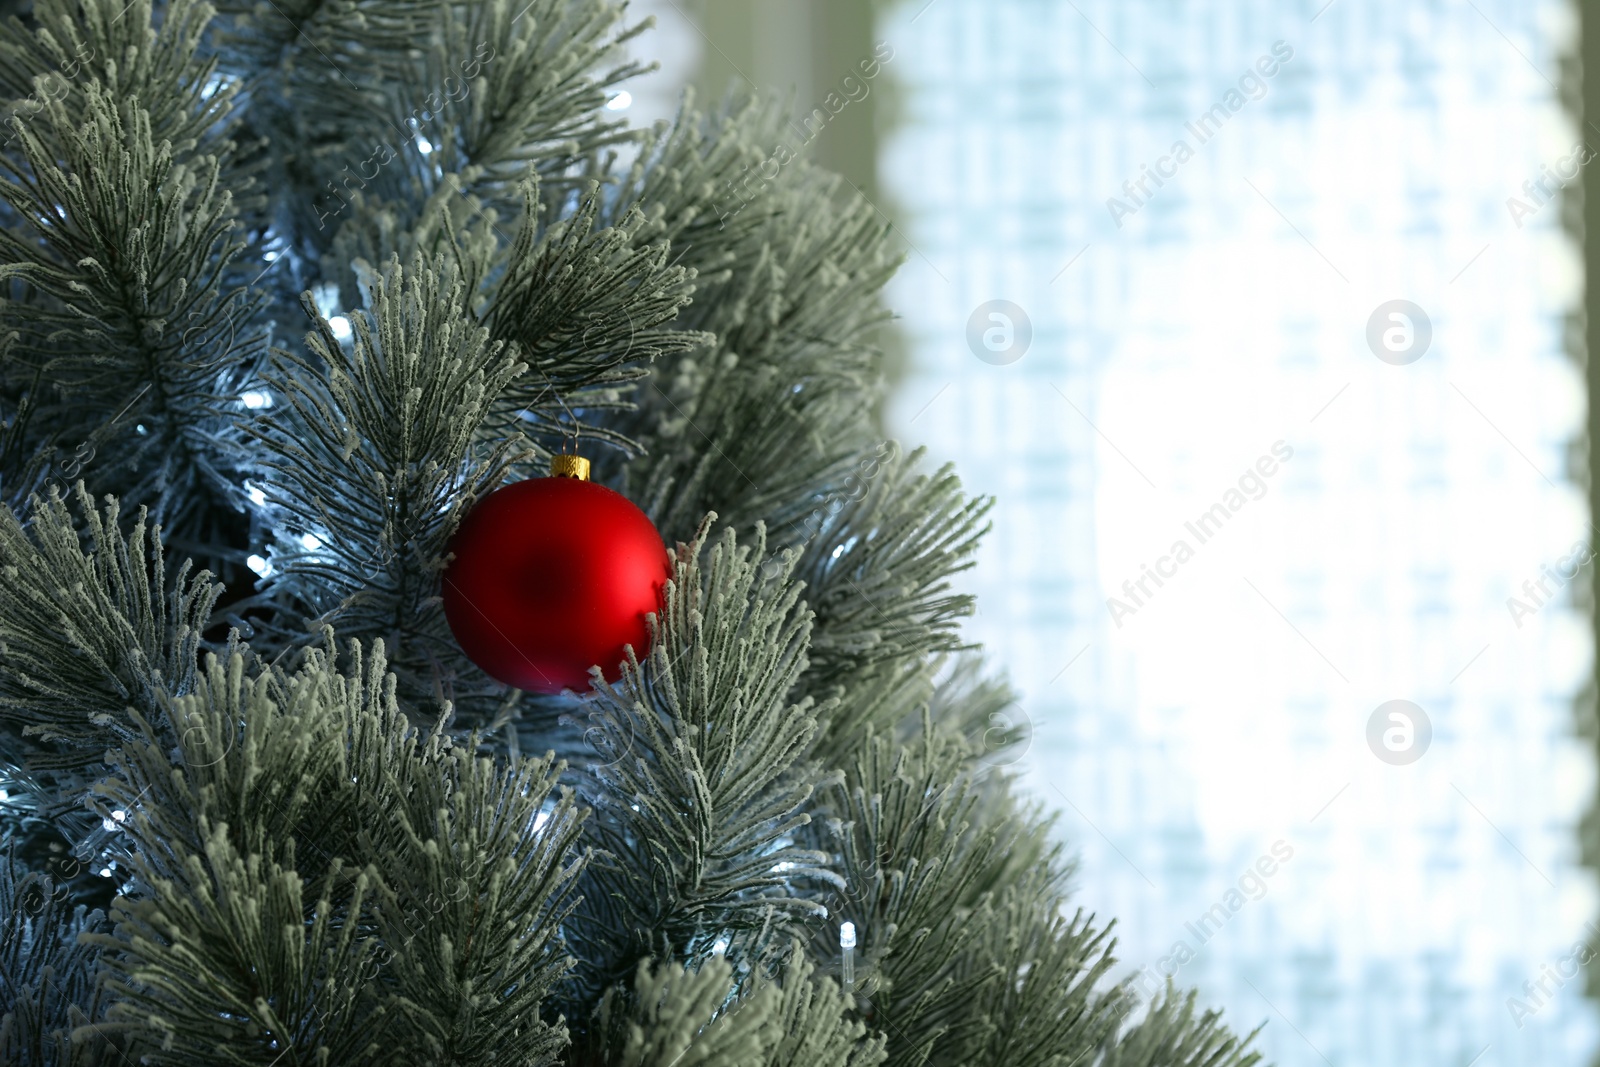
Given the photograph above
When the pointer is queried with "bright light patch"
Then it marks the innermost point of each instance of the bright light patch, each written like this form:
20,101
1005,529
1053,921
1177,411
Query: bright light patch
256,399
310,542
257,497
326,297
620,101
340,327
424,146
260,565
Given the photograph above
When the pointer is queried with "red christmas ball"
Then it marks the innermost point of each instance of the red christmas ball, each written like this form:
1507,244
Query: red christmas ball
552,576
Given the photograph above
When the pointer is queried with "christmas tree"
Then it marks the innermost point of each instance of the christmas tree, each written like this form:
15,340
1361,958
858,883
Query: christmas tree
290,286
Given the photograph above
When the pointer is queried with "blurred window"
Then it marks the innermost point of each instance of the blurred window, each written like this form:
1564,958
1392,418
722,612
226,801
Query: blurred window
1289,288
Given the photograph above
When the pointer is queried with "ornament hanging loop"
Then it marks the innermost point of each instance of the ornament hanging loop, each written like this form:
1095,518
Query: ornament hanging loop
565,466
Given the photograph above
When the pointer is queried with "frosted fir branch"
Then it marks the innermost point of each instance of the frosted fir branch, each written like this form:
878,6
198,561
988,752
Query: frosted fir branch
90,625
521,84
144,61
1040,1006
700,1015
260,38
707,778
324,76
49,996
692,461
694,1016
1175,1031
375,454
441,877
817,1021
586,308
673,178
538,110
124,242
900,824
878,571
760,425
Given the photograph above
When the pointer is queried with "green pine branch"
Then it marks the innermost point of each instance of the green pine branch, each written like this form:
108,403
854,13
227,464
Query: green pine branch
705,778
546,68
49,994
475,962
1175,1034
323,884
687,1017
120,253
674,1015
374,454
586,308
91,628
879,563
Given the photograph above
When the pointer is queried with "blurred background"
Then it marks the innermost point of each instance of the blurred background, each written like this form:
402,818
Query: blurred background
1297,287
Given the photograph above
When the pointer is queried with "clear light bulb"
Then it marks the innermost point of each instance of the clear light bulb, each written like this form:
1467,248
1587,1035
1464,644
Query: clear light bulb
847,943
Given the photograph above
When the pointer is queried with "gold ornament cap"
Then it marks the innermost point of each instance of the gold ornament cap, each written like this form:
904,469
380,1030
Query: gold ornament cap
569,467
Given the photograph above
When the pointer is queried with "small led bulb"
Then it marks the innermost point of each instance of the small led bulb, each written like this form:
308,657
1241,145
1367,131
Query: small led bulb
847,943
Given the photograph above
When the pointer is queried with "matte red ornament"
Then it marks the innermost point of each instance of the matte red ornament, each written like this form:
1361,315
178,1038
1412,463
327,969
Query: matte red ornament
552,576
